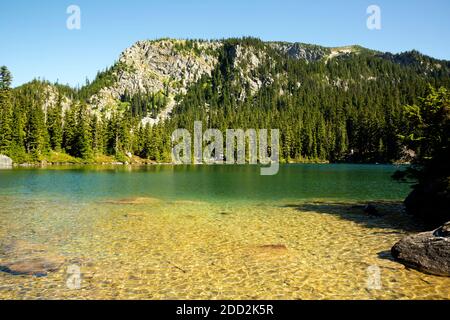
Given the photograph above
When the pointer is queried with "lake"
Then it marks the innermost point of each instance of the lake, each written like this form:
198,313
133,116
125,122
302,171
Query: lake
212,232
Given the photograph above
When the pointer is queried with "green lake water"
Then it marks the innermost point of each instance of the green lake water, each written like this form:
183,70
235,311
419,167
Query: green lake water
211,232
210,183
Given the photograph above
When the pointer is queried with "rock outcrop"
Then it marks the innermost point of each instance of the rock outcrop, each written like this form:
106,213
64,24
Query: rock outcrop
52,97
301,51
246,61
167,65
5,162
427,252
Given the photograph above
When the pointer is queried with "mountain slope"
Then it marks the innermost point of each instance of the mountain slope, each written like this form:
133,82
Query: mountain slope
330,104
170,66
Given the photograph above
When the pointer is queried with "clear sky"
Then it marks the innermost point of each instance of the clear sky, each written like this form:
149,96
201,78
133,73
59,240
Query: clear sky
35,41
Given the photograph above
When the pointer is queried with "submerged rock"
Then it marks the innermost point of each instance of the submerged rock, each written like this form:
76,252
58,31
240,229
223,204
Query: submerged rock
138,200
135,215
269,252
24,258
189,202
427,252
272,247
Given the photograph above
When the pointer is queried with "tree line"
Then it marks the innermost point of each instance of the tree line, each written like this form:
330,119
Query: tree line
346,109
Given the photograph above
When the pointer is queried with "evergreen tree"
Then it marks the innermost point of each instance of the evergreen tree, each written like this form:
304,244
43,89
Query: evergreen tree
70,132
35,133
83,138
429,136
54,126
5,78
5,111
97,136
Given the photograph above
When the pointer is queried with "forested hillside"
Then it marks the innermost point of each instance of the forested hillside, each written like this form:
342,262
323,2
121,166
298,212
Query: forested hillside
330,104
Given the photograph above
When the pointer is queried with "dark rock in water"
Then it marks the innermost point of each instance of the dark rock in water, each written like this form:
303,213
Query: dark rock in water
24,258
427,252
371,210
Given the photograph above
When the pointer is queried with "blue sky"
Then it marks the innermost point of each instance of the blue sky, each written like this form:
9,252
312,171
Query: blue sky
36,43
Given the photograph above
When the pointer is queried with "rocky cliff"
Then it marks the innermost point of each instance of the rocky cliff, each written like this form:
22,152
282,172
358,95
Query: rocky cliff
167,66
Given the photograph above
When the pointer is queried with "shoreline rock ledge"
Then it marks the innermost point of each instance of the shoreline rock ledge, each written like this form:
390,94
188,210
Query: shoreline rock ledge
427,252
5,162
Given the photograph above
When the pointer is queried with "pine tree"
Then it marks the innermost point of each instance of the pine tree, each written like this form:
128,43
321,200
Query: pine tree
5,78
97,135
18,152
5,111
70,131
54,126
83,140
35,133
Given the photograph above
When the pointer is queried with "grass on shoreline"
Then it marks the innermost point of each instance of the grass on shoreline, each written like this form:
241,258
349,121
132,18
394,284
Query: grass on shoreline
62,158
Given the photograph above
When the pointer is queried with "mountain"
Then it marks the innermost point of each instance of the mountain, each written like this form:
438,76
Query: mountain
330,104
170,66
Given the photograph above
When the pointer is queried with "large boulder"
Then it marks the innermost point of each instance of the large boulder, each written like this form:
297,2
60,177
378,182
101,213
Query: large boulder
427,252
5,162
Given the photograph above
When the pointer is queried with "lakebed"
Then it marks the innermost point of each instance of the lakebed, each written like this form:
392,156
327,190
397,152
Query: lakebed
212,232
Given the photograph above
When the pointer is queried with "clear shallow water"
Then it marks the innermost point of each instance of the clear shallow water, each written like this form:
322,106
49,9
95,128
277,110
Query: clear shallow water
210,183
206,232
